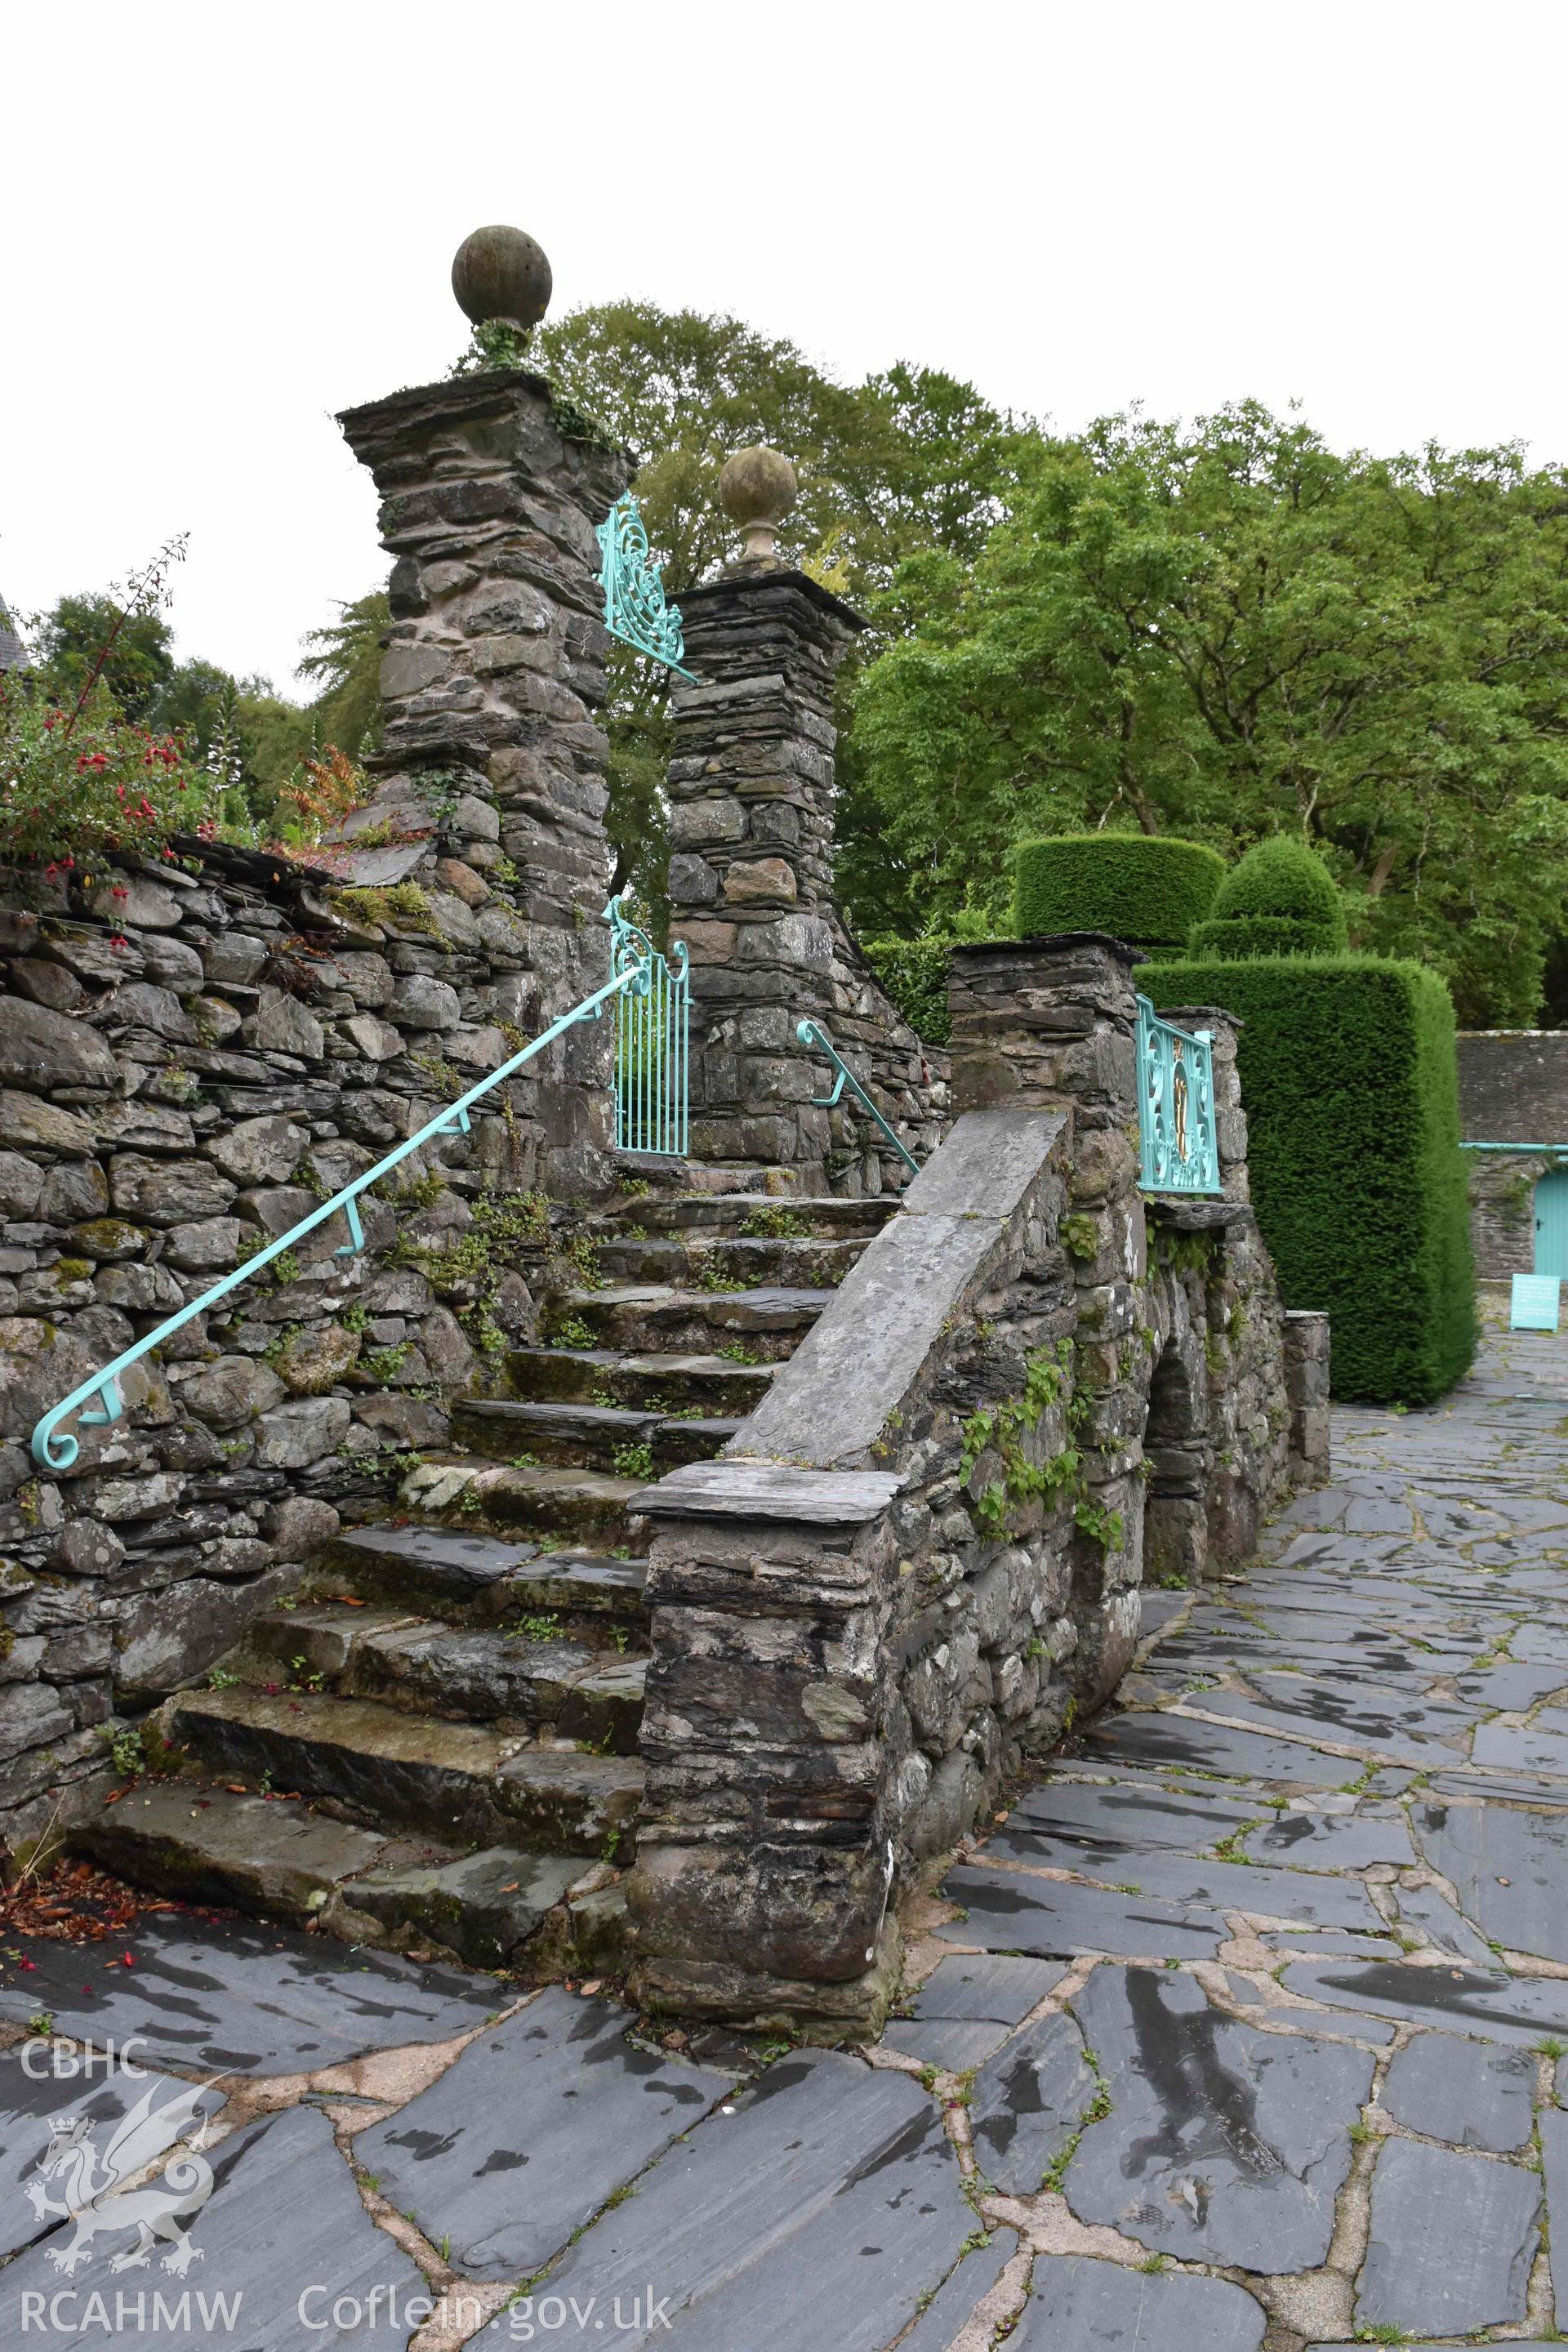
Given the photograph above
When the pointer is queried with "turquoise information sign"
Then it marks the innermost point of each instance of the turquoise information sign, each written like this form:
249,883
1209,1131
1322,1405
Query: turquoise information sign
1537,1302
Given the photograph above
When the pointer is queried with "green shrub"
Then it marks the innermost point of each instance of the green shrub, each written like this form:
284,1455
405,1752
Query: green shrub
1279,899
914,974
1149,892
1348,1078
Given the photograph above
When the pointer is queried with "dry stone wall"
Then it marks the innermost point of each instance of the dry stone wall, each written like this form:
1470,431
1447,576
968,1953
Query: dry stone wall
190,1063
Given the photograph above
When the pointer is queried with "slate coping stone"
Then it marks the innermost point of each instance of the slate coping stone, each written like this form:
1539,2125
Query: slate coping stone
771,1490
1451,2242
237,1997
1077,2303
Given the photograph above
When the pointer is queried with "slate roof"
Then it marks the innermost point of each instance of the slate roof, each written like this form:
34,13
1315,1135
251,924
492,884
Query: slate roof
10,643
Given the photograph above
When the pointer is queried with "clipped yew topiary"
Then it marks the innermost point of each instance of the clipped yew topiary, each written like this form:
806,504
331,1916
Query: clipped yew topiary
1148,892
1279,899
1348,1078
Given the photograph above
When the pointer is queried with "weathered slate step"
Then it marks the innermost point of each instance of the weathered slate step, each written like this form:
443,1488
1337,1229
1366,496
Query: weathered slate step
209,1844
639,1384
527,1680
497,1578
797,1260
770,1321
274,1857
554,1498
599,1436
457,1780
764,1213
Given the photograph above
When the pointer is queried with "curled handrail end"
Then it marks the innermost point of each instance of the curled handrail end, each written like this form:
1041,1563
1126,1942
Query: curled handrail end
45,1438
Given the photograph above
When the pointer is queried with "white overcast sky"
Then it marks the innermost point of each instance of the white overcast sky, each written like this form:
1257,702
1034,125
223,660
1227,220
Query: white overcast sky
223,222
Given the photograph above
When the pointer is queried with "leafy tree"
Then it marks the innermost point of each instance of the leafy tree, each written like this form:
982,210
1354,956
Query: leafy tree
138,666
1231,632
346,660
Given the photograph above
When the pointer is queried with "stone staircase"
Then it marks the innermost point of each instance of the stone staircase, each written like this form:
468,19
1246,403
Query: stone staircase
435,1742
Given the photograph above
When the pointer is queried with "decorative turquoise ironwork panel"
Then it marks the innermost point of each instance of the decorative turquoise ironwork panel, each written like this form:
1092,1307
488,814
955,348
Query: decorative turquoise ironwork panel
1179,1149
634,609
653,1021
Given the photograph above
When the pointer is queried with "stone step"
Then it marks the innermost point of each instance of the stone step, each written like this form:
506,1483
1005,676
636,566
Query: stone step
660,1384
700,1260
589,1505
755,1214
438,1569
458,1781
532,1676
207,1843
604,1438
769,1322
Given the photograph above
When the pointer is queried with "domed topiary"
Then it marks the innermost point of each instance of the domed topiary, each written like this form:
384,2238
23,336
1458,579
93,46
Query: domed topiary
1148,892
1279,899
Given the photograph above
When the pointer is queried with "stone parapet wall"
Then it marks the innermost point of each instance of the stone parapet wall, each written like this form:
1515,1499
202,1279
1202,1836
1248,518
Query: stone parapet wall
751,885
924,1553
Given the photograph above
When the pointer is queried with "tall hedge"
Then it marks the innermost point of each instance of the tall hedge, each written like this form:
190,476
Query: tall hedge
1149,892
1279,899
1350,1083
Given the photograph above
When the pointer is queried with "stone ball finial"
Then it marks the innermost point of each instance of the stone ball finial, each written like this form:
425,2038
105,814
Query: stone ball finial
756,489
501,273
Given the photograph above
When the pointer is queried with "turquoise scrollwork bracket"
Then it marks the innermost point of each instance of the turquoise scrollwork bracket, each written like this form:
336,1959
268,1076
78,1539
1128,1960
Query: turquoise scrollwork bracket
634,609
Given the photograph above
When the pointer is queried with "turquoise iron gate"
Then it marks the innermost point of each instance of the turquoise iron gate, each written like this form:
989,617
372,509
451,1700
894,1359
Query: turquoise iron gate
1178,1148
652,1041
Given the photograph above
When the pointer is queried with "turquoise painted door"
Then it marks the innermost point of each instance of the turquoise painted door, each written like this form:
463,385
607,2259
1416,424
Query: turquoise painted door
1551,1223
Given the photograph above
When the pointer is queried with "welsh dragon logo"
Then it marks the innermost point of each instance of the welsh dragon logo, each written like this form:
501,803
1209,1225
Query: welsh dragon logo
73,2182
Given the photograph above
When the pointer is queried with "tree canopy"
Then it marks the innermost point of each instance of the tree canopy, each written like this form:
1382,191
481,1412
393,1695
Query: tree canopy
1228,631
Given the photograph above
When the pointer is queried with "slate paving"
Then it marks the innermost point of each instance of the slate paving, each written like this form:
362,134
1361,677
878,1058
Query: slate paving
1242,2028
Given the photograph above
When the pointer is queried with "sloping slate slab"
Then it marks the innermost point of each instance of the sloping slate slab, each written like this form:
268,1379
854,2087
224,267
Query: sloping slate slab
1539,1747
241,1998
1167,1739
1408,1732
1223,2144
1462,2091
818,2213
1026,2104
953,2304
284,2225
1431,1915
1077,2304
1554,2153
1452,2240
1508,1867
1461,2000
28,2106
521,2142
1009,1912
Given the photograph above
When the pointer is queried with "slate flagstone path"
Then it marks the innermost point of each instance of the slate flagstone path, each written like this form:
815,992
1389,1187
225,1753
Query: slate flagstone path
1241,2030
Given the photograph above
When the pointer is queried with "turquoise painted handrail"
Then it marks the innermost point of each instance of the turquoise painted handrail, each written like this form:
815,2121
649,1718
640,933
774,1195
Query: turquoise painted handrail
56,1450
812,1034
1513,1147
